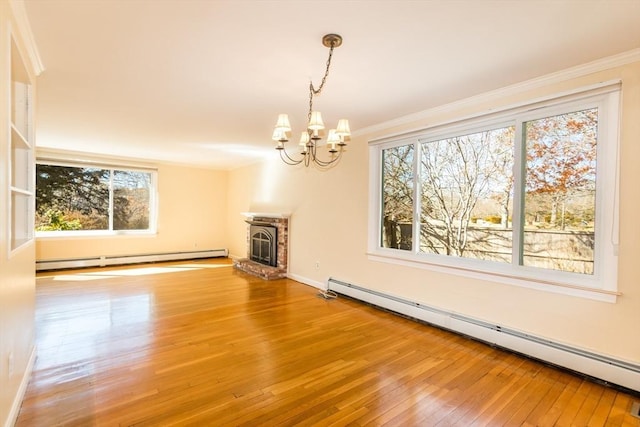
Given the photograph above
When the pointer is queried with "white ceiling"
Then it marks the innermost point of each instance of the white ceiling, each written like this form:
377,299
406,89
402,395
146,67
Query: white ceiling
202,82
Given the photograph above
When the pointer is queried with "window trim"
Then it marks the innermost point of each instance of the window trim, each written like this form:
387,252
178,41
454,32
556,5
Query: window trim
153,200
602,285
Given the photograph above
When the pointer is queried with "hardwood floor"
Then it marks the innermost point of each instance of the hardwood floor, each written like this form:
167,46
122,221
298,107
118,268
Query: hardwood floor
198,343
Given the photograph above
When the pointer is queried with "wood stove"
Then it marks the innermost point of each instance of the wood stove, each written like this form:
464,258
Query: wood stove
263,246
267,246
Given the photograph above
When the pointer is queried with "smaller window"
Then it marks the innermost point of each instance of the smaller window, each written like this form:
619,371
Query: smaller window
73,199
397,197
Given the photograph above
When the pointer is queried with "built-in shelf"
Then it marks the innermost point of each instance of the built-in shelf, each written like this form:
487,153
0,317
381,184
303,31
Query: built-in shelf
21,167
18,139
21,218
21,161
16,190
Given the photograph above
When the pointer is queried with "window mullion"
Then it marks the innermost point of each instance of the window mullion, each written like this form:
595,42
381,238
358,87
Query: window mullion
416,197
111,200
380,198
519,170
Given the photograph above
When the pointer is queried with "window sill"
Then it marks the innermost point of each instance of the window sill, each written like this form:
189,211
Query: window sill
504,277
51,235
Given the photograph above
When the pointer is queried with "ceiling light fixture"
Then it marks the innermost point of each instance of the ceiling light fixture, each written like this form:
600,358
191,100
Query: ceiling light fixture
309,139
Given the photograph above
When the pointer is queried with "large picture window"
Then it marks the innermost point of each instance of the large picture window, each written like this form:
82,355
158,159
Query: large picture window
526,195
77,199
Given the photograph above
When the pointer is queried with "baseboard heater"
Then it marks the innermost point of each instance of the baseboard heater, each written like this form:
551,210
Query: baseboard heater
102,261
598,366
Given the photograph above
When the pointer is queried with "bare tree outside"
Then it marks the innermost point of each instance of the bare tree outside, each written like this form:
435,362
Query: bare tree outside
466,182
131,192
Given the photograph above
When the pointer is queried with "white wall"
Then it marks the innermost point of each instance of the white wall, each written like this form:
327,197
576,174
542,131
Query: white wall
329,217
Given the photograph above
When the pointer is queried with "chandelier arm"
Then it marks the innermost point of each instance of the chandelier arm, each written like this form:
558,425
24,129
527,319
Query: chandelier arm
326,163
313,156
322,163
288,159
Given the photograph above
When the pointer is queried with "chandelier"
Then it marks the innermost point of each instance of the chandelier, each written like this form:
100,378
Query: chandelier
310,139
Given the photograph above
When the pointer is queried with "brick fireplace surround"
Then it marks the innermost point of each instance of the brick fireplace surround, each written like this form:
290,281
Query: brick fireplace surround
281,223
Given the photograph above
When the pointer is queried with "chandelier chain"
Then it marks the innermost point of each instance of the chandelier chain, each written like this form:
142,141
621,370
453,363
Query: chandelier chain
312,90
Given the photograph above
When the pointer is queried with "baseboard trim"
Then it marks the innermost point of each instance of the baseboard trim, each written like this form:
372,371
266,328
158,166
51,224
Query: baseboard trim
306,281
22,389
102,261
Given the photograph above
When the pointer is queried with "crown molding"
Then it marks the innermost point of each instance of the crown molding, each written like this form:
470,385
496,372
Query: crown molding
24,28
598,65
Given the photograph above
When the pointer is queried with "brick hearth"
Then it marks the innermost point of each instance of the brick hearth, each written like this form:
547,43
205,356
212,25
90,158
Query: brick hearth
263,271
